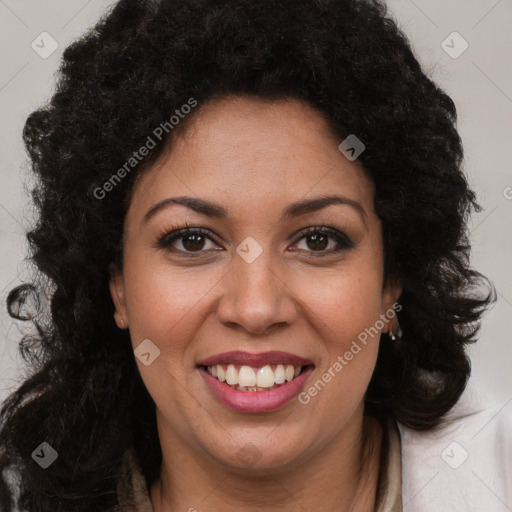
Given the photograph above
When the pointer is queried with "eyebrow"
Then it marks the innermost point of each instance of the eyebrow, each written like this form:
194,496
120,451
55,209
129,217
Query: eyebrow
293,210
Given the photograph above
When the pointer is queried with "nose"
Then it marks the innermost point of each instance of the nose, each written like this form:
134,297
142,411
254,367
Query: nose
256,296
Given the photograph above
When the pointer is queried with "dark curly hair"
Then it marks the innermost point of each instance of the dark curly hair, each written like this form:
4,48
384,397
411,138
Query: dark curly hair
141,62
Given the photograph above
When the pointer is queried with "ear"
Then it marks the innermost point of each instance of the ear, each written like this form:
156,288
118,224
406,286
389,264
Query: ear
390,295
117,292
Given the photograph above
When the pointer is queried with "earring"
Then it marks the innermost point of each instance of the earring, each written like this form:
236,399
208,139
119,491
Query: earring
121,323
398,332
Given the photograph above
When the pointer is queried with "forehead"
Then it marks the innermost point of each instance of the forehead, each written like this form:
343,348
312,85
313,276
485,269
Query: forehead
251,153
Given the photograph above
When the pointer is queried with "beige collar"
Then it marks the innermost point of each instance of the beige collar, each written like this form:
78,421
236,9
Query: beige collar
132,491
389,494
133,495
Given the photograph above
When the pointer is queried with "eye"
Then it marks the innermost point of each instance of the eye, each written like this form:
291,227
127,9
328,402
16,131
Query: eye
187,240
317,240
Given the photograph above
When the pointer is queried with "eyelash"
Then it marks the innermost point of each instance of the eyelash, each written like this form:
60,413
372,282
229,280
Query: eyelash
174,233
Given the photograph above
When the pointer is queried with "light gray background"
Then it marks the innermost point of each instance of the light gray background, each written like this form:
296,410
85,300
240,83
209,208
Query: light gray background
479,81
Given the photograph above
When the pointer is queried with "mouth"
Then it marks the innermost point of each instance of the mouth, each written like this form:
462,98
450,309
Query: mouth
248,383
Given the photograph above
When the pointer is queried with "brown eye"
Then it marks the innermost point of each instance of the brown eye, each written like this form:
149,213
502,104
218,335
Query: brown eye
187,241
193,242
318,240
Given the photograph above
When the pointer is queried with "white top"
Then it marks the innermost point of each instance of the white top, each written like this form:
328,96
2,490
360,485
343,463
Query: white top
464,467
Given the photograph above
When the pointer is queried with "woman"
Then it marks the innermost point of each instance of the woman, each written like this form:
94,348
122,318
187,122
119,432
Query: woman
252,238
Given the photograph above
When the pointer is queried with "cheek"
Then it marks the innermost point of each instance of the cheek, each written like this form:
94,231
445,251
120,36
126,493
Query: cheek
345,303
344,309
339,307
165,303
167,306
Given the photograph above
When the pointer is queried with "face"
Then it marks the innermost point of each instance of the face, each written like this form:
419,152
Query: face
249,277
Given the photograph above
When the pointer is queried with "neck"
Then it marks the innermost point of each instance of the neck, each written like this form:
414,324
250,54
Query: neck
343,475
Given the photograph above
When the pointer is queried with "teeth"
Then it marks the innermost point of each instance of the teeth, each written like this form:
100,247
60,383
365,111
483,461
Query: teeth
246,376
280,375
265,377
231,375
255,379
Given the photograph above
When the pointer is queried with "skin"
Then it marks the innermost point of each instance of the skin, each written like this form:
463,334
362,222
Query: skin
255,157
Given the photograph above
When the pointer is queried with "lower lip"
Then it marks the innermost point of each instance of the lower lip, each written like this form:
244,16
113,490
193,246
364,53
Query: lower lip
256,401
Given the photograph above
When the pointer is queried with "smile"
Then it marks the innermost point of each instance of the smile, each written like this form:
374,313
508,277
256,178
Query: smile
252,383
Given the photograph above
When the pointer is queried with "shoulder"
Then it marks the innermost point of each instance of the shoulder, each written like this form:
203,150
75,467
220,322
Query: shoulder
464,465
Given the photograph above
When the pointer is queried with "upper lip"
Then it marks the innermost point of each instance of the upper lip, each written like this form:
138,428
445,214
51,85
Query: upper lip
242,358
